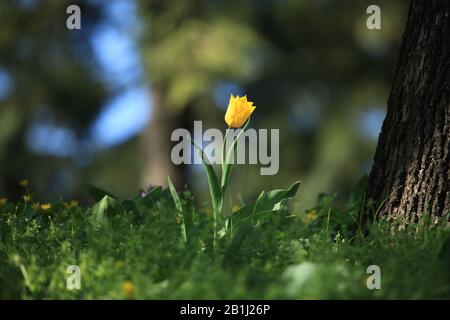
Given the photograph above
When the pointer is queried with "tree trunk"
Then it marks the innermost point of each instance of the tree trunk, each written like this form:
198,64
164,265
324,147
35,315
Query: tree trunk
411,170
156,145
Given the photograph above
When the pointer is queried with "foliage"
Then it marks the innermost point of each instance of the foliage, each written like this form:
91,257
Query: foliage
140,248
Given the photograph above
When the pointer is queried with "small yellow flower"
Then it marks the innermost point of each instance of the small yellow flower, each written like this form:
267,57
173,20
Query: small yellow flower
26,198
35,205
311,216
239,110
128,289
46,206
71,204
364,281
24,183
3,201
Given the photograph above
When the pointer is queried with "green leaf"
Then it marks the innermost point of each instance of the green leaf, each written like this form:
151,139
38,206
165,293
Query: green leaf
236,243
214,187
227,165
255,207
175,196
265,203
102,209
187,223
97,194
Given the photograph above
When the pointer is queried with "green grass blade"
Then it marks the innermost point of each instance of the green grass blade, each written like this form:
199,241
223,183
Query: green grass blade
187,223
175,197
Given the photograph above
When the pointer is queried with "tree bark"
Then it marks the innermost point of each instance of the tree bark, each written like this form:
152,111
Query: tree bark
411,170
156,145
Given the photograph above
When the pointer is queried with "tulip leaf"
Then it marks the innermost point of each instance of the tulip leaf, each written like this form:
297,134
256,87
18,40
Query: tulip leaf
255,207
214,187
266,203
227,165
252,218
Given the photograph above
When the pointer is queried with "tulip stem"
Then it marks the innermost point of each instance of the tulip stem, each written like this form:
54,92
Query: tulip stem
224,147
217,211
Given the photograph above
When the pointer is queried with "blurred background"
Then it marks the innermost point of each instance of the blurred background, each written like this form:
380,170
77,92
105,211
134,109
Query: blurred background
97,105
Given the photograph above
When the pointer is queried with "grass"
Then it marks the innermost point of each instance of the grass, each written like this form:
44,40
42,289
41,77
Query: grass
137,249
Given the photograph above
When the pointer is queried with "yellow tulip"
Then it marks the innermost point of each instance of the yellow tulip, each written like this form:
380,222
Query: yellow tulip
239,110
310,217
24,183
46,206
128,289
71,204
